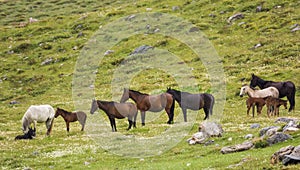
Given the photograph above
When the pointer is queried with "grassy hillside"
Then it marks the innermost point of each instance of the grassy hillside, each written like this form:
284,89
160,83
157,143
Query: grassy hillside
38,60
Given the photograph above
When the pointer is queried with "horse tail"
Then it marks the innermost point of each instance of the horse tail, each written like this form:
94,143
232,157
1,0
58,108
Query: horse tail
212,102
172,107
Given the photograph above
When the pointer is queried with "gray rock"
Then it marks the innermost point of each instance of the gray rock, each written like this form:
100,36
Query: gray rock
237,148
175,8
141,49
263,131
47,61
235,17
108,52
278,156
13,102
278,137
198,137
285,120
293,158
212,129
255,125
295,29
249,136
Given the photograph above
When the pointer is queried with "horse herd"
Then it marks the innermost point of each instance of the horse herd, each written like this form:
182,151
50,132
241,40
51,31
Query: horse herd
268,95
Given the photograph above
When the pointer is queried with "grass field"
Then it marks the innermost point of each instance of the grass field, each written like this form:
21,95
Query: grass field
65,29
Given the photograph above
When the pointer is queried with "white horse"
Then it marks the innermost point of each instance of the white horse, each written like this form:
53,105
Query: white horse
270,91
38,113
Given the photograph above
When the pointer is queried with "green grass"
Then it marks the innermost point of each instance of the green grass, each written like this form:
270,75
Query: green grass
65,27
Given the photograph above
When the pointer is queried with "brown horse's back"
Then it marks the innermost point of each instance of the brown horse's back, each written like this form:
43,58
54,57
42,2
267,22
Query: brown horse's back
124,110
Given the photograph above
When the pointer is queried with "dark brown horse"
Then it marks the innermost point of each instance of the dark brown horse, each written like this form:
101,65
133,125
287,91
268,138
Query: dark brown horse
153,103
116,110
286,88
71,117
252,102
193,101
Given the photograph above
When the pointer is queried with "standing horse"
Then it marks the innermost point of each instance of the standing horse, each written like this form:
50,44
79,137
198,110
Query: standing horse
38,113
153,103
270,91
71,117
116,110
252,102
286,88
193,101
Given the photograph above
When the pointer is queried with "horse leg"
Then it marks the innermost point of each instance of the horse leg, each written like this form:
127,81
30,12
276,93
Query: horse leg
143,115
49,124
253,107
68,125
112,124
83,123
130,123
206,111
134,119
184,114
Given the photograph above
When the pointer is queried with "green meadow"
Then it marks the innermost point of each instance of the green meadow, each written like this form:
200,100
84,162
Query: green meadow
39,65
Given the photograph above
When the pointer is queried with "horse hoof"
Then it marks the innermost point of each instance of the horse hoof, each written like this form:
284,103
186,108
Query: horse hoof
143,124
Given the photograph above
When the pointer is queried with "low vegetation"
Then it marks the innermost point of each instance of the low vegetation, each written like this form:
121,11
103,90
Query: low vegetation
38,59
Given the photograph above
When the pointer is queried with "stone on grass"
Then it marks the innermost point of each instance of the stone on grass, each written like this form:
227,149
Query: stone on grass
278,137
237,148
255,125
235,17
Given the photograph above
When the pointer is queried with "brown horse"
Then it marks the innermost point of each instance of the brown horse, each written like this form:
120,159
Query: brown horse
252,102
286,88
71,117
116,110
273,105
153,103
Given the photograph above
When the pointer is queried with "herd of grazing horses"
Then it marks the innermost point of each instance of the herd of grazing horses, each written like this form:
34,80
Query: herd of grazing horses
269,95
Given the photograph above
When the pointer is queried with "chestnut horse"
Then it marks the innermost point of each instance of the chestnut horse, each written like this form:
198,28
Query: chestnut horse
286,88
116,110
193,101
252,102
153,103
71,117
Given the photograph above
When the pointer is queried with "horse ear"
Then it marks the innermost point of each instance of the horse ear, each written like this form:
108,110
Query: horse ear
252,75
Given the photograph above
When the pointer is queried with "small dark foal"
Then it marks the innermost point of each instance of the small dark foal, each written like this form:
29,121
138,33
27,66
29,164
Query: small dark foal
29,135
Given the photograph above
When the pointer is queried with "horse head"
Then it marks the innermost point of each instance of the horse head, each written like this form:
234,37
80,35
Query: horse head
94,106
253,82
57,113
31,132
125,95
243,91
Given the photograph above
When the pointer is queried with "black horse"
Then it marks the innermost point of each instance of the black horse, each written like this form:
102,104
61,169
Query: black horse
193,101
29,135
286,88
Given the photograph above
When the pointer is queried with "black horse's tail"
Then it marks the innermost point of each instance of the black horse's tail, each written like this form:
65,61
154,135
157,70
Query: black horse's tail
212,102
172,108
291,94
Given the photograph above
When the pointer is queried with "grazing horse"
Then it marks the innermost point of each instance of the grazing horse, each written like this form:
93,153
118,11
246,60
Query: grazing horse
252,102
152,103
38,113
270,91
286,88
71,117
116,110
193,101
273,105
29,135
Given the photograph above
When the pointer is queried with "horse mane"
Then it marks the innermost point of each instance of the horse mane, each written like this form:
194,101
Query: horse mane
67,112
138,92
